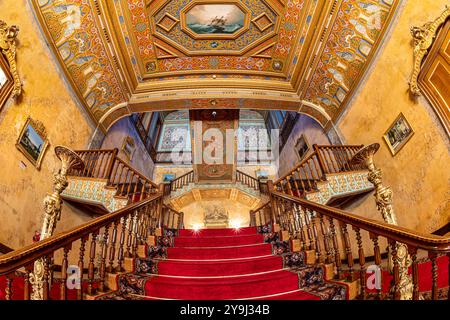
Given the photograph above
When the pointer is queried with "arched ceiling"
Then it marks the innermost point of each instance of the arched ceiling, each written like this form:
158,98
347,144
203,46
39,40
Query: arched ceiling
126,56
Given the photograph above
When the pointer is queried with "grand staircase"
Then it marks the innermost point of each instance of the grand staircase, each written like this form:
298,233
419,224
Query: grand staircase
214,264
297,246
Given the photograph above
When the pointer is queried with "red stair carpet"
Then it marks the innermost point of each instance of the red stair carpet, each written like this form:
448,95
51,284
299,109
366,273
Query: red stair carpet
213,264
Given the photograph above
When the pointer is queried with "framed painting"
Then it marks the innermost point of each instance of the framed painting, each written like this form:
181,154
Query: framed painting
6,81
33,142
128,147
302,147
167,177
398,134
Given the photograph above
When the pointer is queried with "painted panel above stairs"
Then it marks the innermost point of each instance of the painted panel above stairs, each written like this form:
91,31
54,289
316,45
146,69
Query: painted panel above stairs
94,192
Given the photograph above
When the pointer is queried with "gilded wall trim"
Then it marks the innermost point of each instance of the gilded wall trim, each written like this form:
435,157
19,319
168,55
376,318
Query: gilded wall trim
423,39
8,35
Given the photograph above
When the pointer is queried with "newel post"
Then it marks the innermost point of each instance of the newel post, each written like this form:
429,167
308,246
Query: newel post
52,214
399,259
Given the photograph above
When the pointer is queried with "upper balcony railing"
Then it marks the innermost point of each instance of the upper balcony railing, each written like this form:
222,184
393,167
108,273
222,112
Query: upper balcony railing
105,164
324,160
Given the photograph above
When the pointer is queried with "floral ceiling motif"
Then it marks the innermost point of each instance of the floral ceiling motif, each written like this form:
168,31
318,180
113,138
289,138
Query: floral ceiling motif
123,56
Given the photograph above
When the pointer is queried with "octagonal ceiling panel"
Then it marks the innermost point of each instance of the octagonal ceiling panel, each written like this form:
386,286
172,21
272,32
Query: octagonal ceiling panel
300,55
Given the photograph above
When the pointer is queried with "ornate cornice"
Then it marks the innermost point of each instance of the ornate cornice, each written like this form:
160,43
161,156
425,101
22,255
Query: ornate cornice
423,39
8,48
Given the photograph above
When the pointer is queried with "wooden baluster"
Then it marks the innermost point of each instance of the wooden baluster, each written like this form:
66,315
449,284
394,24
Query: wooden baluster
123,182
300,214
91,267
434,275
104,250
81,266
316,168
308,229
64,266
112,160
332,160
396,269
141,197
415,271
301,181
321,159
87,163
100,166
348,247
325,239
337,253
26,283
135,187
128,253
8,288
288,185
93,164
120,254
297,189
317,245
130,183
377,258
45,278
362,263
337,156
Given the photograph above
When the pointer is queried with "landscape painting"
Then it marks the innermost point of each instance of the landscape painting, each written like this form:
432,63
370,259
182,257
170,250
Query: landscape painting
215,18
32,141
398,134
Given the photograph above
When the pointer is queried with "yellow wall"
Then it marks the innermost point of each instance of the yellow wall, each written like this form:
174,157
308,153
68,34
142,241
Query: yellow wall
194,213
46,98
418,174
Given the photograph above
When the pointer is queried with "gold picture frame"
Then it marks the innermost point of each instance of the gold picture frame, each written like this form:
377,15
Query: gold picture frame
6,81
128,147
302,147
398,134
33,142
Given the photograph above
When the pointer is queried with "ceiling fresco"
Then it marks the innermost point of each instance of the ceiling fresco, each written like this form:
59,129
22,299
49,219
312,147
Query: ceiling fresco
126,56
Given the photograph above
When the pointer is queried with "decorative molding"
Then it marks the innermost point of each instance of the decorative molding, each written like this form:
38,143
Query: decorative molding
423,39
8,48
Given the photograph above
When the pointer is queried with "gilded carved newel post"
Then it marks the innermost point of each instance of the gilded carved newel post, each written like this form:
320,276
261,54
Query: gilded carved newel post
383,199
8,48
52,212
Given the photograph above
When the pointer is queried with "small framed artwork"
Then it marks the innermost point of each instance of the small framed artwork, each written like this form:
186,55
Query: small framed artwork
302,147
6,81
262,174
33,142
398,134
167,177
128,147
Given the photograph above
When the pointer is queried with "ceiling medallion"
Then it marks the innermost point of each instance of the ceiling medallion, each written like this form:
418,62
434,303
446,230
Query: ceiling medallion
150,66
277,65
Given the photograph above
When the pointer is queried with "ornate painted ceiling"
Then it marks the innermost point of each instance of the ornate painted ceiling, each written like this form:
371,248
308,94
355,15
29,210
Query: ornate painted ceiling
125,56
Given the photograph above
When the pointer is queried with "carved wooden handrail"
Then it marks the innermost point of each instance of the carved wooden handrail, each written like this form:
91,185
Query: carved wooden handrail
182,181
105,164
171,218
247,180
326,231
117,236
5,249
261,215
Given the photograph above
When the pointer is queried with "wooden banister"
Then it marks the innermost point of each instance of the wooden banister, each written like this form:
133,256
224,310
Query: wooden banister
101,245
314,168
182,181
316,227
247,179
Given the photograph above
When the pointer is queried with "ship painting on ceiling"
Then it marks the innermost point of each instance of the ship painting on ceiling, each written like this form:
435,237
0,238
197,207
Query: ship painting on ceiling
215,19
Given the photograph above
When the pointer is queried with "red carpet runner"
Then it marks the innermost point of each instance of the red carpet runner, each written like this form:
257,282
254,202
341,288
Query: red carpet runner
214,264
